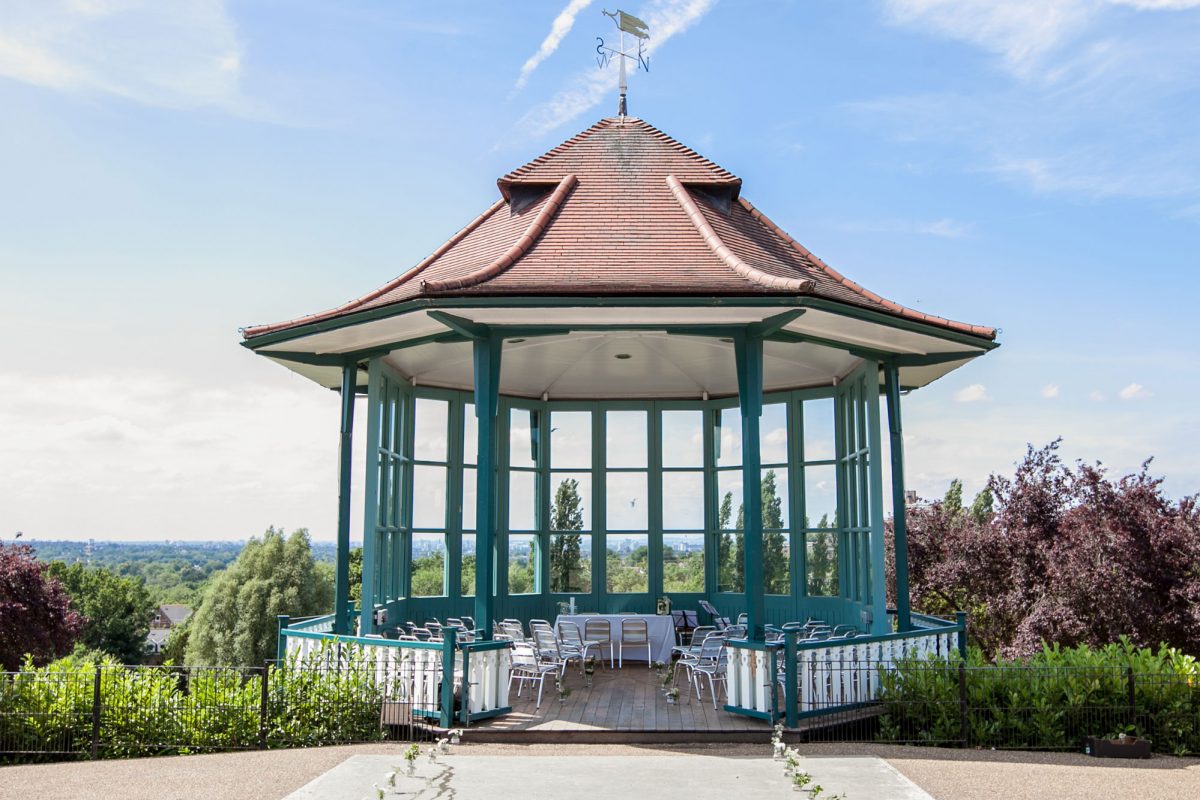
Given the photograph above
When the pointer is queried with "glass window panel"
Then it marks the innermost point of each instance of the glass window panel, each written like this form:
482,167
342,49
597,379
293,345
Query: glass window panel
522,563
730,563
467,584
470,434
428,577
821,564
429,497
729,499
729,437
777,572
682,438
571,501
571,439
522,500
627,438
773,434
570,562
775,498
628,563
520,439
820,497
818,430
627,501
470,484
683,501
683,562
432,425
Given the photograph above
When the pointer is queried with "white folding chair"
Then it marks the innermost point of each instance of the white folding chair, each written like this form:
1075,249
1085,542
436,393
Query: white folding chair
528,668
600,632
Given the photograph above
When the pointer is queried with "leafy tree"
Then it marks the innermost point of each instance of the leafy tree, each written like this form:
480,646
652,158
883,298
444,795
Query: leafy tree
355,569
776,569
36,617
235,625
952,502
566,558
118,610
981,508
1069,555
429,575
728,573
821,562
174,650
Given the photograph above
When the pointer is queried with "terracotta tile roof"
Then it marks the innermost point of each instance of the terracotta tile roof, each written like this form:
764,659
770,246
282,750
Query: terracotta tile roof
621,209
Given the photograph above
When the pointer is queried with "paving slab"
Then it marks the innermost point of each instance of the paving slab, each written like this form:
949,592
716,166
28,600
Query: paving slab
697,777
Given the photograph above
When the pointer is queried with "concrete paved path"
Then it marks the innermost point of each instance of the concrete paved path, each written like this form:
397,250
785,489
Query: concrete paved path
696,777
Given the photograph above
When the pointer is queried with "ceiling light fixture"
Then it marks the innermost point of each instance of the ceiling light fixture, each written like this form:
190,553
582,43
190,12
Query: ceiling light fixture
623,356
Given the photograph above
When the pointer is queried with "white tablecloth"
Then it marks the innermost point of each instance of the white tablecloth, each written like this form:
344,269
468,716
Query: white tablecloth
660,628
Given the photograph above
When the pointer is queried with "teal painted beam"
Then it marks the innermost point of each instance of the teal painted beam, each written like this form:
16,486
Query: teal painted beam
774,324
891,382
460,325
748,352
341,590
486,354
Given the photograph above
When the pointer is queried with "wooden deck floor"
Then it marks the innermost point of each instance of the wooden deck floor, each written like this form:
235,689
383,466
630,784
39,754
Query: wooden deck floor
629,699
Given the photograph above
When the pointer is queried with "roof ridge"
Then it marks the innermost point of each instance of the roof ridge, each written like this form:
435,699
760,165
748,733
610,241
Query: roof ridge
891,305
536,228
401,279
722,251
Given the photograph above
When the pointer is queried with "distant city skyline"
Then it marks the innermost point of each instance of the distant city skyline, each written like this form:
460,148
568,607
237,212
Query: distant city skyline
172,176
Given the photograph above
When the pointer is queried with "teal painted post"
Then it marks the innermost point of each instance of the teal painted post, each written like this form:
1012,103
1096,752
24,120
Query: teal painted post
748,351
487,396
791,689
341,581
891,376
449,636
376,398
878,584
961,618
281,623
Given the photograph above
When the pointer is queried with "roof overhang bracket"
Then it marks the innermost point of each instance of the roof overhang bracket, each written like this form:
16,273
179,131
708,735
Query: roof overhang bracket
774,324
472,330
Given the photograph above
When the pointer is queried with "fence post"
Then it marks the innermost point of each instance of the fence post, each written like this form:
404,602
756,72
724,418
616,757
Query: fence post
448,639
965,730
282,621
96,712
960,617
262,706
1132,683
791,691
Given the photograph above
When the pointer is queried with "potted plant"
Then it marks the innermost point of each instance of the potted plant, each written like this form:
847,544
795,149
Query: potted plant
589,670
672,696
455,736
410,760
1122,745
564,691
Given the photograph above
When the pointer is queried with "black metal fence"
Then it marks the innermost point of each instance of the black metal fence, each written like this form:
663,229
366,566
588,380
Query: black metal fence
115,711
1007,707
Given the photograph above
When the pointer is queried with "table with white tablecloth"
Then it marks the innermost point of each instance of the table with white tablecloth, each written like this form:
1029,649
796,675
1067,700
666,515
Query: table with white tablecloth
661,630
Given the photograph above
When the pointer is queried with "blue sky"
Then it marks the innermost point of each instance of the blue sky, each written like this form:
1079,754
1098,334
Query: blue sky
175,172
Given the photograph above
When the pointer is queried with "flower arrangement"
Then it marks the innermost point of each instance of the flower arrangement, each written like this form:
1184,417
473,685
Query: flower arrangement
673,695
410,759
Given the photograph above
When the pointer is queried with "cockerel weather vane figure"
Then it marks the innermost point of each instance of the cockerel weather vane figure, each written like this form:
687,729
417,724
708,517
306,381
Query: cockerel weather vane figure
626,23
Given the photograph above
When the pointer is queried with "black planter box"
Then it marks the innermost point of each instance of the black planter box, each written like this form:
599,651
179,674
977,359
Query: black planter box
1114,748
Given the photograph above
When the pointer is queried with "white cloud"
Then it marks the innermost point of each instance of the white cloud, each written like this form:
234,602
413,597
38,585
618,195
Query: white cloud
183,55
971,394
1050,391
558,30
665,18
1097,396
1158,5
1134,391
944,228
1020,31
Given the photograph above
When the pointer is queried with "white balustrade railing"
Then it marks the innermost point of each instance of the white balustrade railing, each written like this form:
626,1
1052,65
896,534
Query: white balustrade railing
828,676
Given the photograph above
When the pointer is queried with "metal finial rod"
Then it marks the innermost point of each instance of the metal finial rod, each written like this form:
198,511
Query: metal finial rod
626,23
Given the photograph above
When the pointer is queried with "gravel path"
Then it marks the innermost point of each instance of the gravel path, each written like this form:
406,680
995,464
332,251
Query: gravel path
946,774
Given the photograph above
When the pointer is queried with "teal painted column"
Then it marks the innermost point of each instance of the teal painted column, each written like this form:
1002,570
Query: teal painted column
487,398
891,382
878,582
341,590
748,351
371,493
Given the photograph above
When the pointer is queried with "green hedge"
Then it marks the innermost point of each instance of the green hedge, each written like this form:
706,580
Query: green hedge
1053,700
168,710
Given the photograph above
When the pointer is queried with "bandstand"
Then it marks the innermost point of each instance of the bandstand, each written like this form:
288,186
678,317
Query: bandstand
622,383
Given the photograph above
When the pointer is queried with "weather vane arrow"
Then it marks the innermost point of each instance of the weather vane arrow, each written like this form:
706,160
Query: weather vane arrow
626,23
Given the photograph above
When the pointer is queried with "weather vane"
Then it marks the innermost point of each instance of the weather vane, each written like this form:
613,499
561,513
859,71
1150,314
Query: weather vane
626,23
